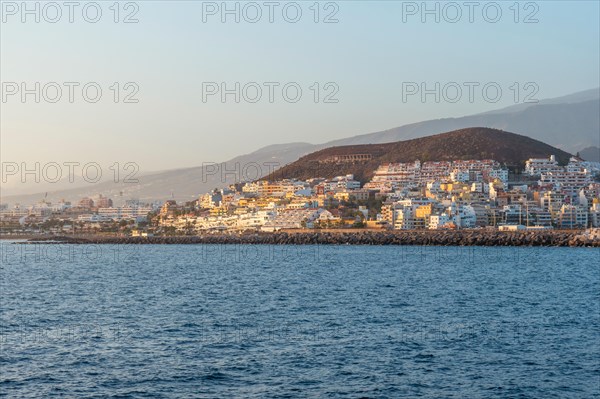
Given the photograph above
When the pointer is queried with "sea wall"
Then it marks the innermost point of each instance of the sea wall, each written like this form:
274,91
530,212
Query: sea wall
423,237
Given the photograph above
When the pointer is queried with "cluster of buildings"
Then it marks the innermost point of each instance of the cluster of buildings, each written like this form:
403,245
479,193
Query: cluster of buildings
268,206
416,195
478,193
572,177
429,195
393,176
90,212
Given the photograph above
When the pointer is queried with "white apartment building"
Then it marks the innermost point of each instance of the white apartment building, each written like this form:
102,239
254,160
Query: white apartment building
567,180
397,173
463,216
250,188
296,219
595,214
480,165
551,200
344,183
572,216
407,174
255,219
459,176
501,174
126,212
437,221
91,217
404,218
538,166
16,211
432,171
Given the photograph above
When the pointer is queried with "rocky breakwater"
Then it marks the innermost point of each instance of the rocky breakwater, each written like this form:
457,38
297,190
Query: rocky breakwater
549,238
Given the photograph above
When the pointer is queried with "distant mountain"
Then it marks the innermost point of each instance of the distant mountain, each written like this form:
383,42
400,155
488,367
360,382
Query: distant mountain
590,154
471,143
569,127
180,184
570,123
579,97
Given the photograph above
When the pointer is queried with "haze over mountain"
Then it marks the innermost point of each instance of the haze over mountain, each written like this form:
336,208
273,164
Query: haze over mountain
579,97
570,123
590,154
180,184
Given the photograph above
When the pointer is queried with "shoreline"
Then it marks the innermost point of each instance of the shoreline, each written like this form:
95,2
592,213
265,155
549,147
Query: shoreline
550,238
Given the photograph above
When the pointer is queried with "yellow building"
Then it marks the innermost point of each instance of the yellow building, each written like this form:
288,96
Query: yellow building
342,196
422,213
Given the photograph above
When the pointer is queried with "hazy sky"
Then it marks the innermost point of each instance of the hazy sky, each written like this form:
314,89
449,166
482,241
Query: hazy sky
370,54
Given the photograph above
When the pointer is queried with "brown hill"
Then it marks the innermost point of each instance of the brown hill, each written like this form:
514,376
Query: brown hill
471,143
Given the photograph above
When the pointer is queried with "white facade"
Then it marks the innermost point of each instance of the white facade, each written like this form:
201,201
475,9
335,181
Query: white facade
537,166
437,221
126,212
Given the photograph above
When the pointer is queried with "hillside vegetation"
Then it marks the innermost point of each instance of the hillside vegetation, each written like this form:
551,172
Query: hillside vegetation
471,143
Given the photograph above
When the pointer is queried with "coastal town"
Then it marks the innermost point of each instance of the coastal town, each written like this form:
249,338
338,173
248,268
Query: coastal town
448,195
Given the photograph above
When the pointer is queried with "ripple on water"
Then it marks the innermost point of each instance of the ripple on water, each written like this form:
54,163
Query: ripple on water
350,322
